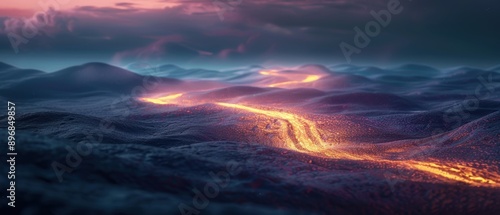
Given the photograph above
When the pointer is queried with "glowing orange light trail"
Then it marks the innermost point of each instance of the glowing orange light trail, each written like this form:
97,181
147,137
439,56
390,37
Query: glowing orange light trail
458,172
163,100
309,140
304,131
303,135
300,78
308,79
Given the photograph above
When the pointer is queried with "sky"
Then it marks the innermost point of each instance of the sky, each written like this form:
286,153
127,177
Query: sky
51,35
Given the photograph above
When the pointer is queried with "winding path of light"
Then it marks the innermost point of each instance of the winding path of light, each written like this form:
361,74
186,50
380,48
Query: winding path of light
303,135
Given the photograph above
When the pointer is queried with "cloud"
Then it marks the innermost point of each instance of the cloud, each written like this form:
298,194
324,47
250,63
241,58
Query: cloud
266,29
124,4
164,47
105,10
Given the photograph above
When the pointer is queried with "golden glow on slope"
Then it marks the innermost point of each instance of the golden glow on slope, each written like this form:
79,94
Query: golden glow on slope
308,79
297,79
268,72
170,99
311,78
